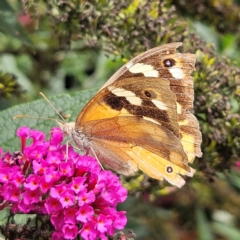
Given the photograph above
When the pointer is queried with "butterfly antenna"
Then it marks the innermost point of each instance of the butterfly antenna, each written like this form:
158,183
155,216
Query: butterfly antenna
28,116
42,94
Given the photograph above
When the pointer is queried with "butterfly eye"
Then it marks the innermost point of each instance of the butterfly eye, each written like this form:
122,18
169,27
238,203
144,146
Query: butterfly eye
169,169
169,62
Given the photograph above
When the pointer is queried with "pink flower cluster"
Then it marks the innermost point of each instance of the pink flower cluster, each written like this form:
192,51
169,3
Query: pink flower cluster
50,178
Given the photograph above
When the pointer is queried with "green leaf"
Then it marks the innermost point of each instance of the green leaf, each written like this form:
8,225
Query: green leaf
23,218
207,33
234,178
227,231
65,104
10,25
204,231
4,214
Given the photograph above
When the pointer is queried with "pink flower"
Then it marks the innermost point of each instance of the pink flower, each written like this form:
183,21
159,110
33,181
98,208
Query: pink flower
103,223
52,175
23,132
11,192
70,231
52,205
119,219
18,179
67,198
35,151
4,175
45,186
56,136
57,219
30,197
66,169
57,235
49,178
77,184
54,158
23,207
56,191
37,136
39,167
7,159
84,213
70,215
85,197
32,182
89,231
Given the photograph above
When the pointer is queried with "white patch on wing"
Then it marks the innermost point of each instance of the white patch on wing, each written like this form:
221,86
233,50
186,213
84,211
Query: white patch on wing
176,72
179,108
151,120
145,69
159,104
129,95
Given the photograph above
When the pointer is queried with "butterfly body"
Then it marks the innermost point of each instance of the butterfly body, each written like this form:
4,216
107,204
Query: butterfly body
140,119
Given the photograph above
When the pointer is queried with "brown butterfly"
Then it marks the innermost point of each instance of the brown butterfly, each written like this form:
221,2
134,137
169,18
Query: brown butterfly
141,119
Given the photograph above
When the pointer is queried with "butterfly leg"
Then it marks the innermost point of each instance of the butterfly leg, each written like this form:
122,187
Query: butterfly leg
87,152
68,143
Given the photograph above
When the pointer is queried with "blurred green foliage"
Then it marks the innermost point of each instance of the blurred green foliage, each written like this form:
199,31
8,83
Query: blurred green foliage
65,46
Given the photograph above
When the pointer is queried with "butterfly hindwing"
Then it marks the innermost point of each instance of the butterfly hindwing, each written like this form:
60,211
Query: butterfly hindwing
137,144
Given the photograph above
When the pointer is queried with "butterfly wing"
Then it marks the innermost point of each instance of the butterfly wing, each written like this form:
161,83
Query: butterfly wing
141,118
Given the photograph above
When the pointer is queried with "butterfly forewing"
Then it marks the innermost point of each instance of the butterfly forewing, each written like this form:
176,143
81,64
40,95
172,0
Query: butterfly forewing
162,62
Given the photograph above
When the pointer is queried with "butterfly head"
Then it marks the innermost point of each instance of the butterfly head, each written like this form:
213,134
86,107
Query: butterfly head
78,136
67,128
